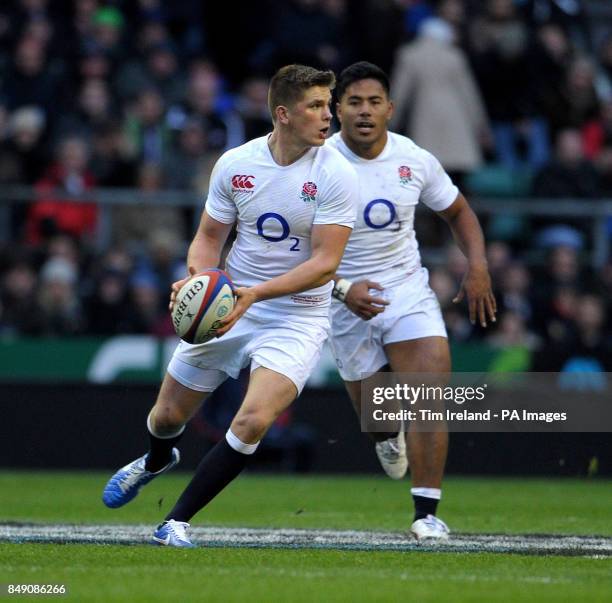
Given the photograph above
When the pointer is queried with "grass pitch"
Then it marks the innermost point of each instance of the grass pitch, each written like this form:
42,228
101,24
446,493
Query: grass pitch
144,573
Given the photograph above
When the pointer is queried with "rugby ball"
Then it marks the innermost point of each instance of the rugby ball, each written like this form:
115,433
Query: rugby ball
200,304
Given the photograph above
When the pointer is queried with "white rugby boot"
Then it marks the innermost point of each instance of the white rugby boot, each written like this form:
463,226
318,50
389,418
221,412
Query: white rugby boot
392,455
172,533
430,528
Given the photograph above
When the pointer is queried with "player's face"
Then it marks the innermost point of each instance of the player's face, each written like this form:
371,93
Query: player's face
364,111
310,117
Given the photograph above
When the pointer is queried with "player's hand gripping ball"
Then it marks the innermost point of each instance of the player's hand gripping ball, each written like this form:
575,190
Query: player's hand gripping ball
201,303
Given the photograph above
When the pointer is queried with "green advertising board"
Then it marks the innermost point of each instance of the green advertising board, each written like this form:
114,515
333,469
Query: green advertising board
143,359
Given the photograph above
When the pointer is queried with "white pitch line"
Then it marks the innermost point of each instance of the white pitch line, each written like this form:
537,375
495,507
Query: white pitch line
527,544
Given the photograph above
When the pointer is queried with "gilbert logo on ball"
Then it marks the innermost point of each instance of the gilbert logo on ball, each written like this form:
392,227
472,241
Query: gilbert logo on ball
200,304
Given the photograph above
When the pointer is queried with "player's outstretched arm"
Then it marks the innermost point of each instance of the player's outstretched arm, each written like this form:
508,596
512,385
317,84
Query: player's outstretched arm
476,284
327,243
204,251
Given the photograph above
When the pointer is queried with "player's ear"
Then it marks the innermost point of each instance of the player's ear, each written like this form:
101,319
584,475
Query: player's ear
390,110
339,112
282,114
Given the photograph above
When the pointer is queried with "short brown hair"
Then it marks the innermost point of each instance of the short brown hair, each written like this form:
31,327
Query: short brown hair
291,81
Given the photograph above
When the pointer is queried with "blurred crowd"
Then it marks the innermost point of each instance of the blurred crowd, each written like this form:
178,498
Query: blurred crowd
513,96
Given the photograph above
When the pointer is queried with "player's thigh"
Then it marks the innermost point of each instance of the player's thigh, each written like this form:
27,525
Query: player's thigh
176,402
422,355
268,395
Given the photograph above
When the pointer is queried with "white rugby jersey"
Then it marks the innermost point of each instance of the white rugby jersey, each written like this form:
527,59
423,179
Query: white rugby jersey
275,208
383,245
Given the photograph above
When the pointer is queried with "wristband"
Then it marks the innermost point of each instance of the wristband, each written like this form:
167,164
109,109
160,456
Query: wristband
341,289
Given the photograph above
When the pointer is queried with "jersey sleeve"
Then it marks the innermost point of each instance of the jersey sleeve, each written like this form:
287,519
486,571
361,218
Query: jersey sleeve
338,201
438,192
219,203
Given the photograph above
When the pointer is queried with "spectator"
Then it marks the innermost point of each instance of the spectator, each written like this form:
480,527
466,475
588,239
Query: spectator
94,108
203,99
150,313
556,292
64,247
165,259
569,174
252,106
603,165
436,99
604,283
111,164
605,61
107,309
586,346
597,134
19,311
129,227
25,148
512,332
49,214
312,32
498,258
31,81
190,165
454,13
107,34
549,58
563,269
146,128
61,311
578,103
514,294
378,43
92,63
500,44
568,14
105,296
82,22
160,70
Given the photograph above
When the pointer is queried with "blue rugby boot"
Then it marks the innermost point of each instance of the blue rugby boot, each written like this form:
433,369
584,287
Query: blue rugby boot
126,483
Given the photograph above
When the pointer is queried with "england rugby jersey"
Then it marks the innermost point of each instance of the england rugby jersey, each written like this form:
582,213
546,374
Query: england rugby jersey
275,208
383,245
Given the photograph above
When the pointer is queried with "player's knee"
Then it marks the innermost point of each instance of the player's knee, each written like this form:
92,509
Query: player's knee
166,420
251,425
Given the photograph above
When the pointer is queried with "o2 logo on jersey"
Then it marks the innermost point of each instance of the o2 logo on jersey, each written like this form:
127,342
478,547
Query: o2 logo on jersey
383,215
309,192
276,219
242,182
405,174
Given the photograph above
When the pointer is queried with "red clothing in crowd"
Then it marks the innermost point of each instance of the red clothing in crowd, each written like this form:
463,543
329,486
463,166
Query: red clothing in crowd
76,218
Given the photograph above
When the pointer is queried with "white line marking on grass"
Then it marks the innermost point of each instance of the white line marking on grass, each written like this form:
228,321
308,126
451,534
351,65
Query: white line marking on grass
526,544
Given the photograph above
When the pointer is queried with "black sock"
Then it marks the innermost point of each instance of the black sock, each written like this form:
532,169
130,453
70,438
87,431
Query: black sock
424,506
217,469
160,451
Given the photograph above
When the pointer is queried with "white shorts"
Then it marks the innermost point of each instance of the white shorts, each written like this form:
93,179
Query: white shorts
413,312
288,344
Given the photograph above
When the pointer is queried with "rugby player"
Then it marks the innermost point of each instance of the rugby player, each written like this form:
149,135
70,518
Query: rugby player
292,199
384,312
